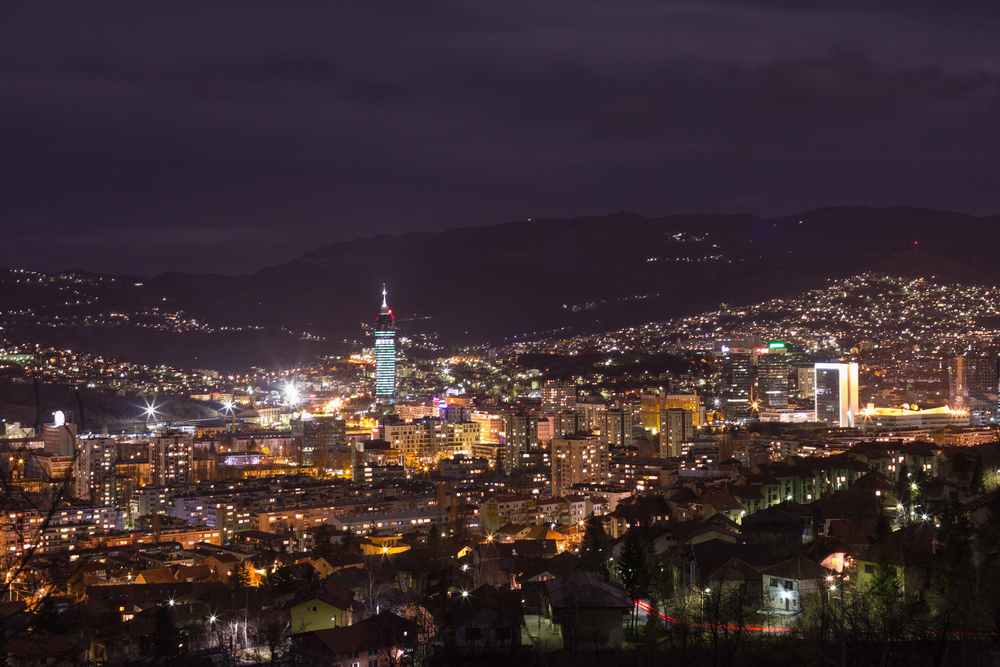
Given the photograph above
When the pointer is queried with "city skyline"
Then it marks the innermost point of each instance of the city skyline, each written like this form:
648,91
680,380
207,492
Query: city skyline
687,352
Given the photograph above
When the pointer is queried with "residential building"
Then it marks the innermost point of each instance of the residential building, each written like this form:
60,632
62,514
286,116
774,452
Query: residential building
520,436
577,459
616,426
94,472
557,397
677,429
171,460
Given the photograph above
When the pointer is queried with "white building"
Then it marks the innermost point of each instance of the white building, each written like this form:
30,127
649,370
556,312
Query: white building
837,394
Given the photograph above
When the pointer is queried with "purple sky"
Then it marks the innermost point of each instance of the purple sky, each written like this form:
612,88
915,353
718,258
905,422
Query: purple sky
141,139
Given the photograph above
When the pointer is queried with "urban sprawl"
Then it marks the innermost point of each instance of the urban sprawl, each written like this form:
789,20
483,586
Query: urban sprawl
754,474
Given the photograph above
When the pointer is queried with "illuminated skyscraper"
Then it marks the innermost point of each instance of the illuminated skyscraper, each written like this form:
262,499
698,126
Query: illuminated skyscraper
385,353
772,376
741,392
837,394
973,382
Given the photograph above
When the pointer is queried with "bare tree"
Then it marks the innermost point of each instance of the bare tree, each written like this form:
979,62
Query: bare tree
372,591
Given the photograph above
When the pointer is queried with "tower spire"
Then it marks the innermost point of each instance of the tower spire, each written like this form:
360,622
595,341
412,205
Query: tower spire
384,304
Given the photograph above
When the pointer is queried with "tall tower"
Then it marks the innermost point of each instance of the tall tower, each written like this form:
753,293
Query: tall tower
837,394
772,377
385,353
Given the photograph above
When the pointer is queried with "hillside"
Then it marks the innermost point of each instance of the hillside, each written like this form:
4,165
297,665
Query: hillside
482,284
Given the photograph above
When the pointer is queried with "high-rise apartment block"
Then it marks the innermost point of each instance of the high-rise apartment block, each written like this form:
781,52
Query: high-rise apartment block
678,428
490,425
385,352
837,394
557,397
94,472
578,459
566,422
171,460
520,431
654,402
616,427
431,438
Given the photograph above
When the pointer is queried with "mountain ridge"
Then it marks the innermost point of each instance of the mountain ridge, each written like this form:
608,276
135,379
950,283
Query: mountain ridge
585,274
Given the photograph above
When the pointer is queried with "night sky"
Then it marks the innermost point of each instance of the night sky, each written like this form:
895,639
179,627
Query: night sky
141,139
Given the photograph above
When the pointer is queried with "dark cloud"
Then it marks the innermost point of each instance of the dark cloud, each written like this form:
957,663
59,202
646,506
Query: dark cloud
141,139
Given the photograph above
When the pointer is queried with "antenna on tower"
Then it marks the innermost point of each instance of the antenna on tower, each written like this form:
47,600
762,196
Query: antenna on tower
384,304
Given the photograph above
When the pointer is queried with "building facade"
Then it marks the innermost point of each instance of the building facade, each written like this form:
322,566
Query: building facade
385,352
973,384
94,472
171,460
837,394
772,377
579,459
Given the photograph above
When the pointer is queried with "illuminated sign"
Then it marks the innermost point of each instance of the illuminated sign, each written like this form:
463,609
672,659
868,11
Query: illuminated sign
776,345
243,460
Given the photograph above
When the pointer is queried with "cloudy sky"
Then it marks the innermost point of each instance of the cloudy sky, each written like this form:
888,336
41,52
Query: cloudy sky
141,138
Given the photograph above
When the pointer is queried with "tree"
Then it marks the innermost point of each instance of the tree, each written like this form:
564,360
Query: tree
434,540
883,528
977,482
594,555
345,542
166,636
884,586
280,581
372,586
954,553
241,575
730,617
322,544
903,486
634,570
859,629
